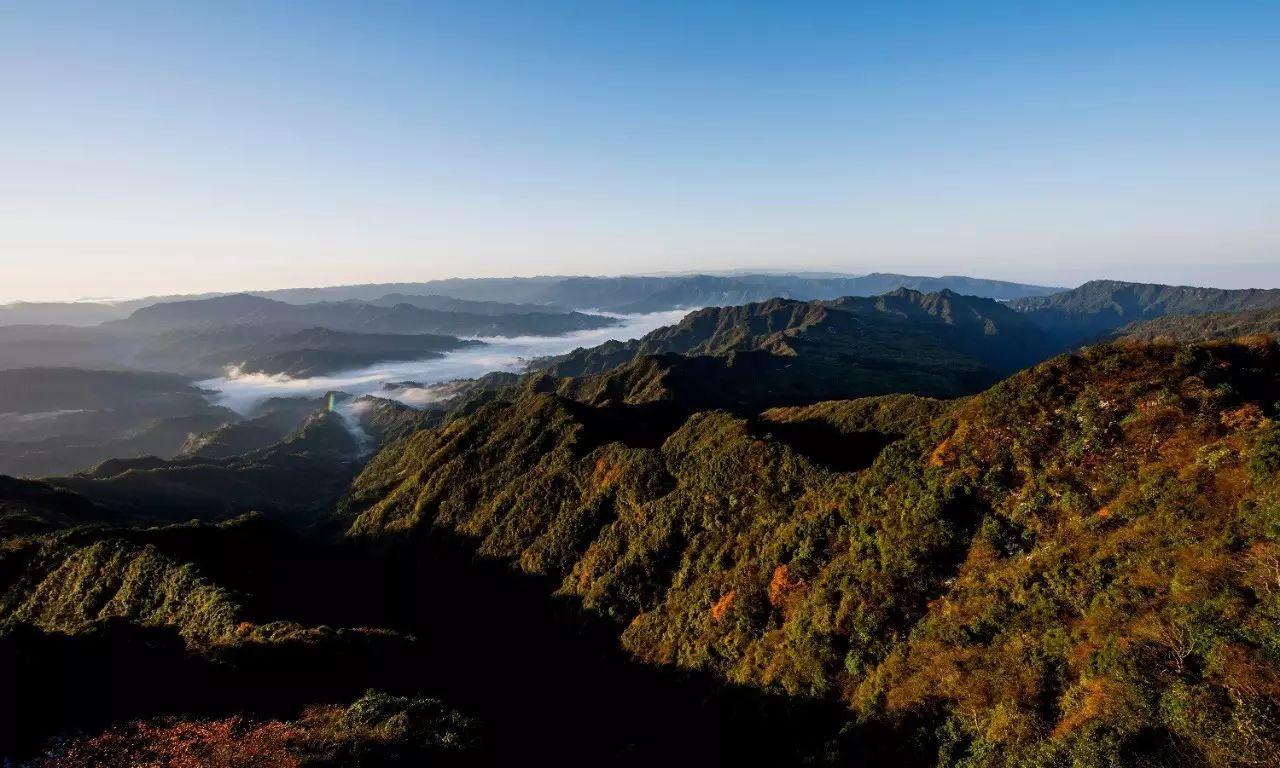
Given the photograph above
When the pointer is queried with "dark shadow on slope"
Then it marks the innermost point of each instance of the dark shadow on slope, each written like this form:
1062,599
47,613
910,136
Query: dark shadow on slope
822,443
549,680
646,425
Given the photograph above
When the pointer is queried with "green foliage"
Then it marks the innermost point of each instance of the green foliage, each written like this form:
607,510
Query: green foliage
784,352
1072,568
1079,566
113,578
1266,454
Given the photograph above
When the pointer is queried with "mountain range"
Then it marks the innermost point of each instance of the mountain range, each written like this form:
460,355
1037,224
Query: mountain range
517,295
920,528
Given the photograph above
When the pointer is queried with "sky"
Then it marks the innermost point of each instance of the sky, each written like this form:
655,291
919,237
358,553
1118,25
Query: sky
152,148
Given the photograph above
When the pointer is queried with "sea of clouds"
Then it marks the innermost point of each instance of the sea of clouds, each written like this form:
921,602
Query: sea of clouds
241,392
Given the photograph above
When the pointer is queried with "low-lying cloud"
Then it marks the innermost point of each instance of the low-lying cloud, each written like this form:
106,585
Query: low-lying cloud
241,392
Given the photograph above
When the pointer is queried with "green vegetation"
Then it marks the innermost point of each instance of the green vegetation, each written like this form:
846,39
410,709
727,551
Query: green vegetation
784,352
756,534
1189,328
1072,568
113,578
1096,308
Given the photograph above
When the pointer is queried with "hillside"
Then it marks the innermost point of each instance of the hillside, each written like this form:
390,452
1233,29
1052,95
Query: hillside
1203,327
1073,566
320,351
209,352
550,294
57,420
299,474
350,316
1086,313
651,294
783,352
694,556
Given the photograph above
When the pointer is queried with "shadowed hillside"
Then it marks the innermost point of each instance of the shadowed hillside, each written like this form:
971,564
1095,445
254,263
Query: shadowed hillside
783,352
1086,313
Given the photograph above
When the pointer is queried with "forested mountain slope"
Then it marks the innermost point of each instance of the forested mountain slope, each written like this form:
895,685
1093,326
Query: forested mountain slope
1085,313
787,352
106,623
1075,566
1219,325
297,475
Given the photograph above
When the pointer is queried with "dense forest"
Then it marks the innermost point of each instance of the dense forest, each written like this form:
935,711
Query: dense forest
881,531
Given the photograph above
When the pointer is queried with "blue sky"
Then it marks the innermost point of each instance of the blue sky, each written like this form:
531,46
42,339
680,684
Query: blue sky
169,147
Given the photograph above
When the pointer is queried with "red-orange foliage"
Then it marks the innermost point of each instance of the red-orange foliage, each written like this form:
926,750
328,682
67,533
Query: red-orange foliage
783,586
1244,417
230,743
606,475
722,606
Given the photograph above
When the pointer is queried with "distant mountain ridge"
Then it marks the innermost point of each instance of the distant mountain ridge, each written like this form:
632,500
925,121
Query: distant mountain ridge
1096,307
466,306
777,323
784,351
352,316
552,294
645,293
649,294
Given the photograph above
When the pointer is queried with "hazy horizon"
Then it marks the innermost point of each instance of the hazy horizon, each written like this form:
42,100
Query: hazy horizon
1210,277
156,149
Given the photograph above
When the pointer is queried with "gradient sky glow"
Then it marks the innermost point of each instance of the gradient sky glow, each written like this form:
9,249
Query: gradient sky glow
158,148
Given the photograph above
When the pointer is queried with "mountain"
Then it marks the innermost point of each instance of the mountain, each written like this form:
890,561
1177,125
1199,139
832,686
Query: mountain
195,617
30,506
207,352
61,346
269,423
1073,567
351,316
883,530
290,458
81,313
59,313
58,420
501,296
485,289
449,304
651,294
654,293
1202,327
786,352
40,390
298,475
319,351
1095,308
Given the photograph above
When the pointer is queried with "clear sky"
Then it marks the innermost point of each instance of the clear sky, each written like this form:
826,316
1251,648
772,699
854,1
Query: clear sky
180,147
